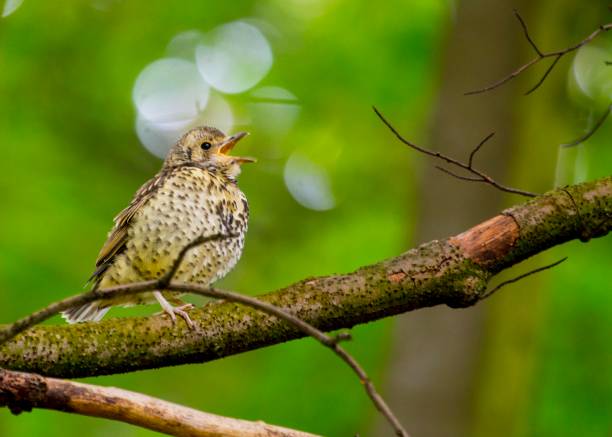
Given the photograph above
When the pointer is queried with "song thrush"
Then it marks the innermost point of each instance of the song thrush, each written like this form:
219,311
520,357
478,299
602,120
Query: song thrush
194,194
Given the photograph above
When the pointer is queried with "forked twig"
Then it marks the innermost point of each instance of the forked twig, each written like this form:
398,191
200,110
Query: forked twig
540,56
478,176
166,283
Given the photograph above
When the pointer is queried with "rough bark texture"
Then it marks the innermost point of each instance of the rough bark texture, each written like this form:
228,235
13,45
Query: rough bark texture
454,272
25,391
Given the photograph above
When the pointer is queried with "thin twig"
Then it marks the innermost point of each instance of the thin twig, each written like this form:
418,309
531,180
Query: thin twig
544,76
540,56
166,283
308,329
49,311
526,31
591,131
458,176
479,175
477,148
518,278
24,391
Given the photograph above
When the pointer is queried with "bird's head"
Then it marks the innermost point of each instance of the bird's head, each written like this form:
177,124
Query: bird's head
207,146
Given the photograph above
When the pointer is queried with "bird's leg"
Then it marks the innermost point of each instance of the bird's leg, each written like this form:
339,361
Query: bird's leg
171,311
179,303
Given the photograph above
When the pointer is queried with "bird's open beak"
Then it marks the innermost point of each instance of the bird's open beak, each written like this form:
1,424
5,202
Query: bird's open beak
229,144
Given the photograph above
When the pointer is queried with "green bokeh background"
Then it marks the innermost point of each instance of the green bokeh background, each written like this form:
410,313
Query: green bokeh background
71,161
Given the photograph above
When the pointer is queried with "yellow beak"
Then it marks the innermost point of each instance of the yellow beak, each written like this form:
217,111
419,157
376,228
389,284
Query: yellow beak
229,144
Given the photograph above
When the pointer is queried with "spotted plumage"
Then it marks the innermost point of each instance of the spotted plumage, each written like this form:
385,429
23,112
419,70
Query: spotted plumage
194,194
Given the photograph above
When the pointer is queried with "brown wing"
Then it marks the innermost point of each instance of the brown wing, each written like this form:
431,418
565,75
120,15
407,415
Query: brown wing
117,239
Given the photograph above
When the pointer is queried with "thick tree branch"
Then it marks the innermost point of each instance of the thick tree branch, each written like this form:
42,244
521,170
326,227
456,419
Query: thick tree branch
166,283
25,391
454,272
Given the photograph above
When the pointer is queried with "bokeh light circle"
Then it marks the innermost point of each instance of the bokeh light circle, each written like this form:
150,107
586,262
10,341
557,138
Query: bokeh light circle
234,57
308,183
157,137
184,44
274,109
10,6
591,73
170,90
218,113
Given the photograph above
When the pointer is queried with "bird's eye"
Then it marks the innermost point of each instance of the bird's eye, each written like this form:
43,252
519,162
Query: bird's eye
206,145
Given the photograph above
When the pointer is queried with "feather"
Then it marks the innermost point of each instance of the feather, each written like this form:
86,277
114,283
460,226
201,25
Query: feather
117,239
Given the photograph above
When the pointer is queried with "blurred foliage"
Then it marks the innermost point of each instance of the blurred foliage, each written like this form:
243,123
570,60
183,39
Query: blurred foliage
549,338
72,161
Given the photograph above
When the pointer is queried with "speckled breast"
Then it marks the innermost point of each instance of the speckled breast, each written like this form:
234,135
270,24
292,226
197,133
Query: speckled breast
191,202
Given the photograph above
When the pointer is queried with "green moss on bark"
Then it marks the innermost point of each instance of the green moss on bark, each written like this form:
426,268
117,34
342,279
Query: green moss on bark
434,273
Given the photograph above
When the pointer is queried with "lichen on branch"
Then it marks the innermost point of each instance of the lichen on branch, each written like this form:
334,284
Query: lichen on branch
454,272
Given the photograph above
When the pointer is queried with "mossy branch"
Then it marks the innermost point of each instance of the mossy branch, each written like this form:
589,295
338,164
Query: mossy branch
454,272
167,283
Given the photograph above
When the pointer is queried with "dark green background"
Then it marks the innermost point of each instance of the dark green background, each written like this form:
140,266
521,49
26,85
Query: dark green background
71,161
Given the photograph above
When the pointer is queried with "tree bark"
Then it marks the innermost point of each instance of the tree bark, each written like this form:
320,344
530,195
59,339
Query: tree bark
454,272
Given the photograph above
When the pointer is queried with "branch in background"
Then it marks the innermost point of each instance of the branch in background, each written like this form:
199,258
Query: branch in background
540,56
454,271
166,283
25,391
479,176
518,278
591,131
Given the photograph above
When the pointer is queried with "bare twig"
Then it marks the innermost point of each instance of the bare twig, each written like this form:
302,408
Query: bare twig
479,176
544,76
591,131
24,391
526,31
49,311
518,278
540,56
477,148
458,176
320,336
166,283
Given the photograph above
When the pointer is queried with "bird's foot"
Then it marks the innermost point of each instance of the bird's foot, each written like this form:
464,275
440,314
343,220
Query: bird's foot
182,313
173,311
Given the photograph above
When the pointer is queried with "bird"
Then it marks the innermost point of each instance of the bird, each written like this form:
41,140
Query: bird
195,194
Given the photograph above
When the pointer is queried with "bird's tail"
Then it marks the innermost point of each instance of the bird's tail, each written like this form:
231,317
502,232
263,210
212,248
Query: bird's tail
92,311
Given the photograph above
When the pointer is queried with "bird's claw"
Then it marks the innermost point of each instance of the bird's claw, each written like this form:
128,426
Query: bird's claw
172,311
181,313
